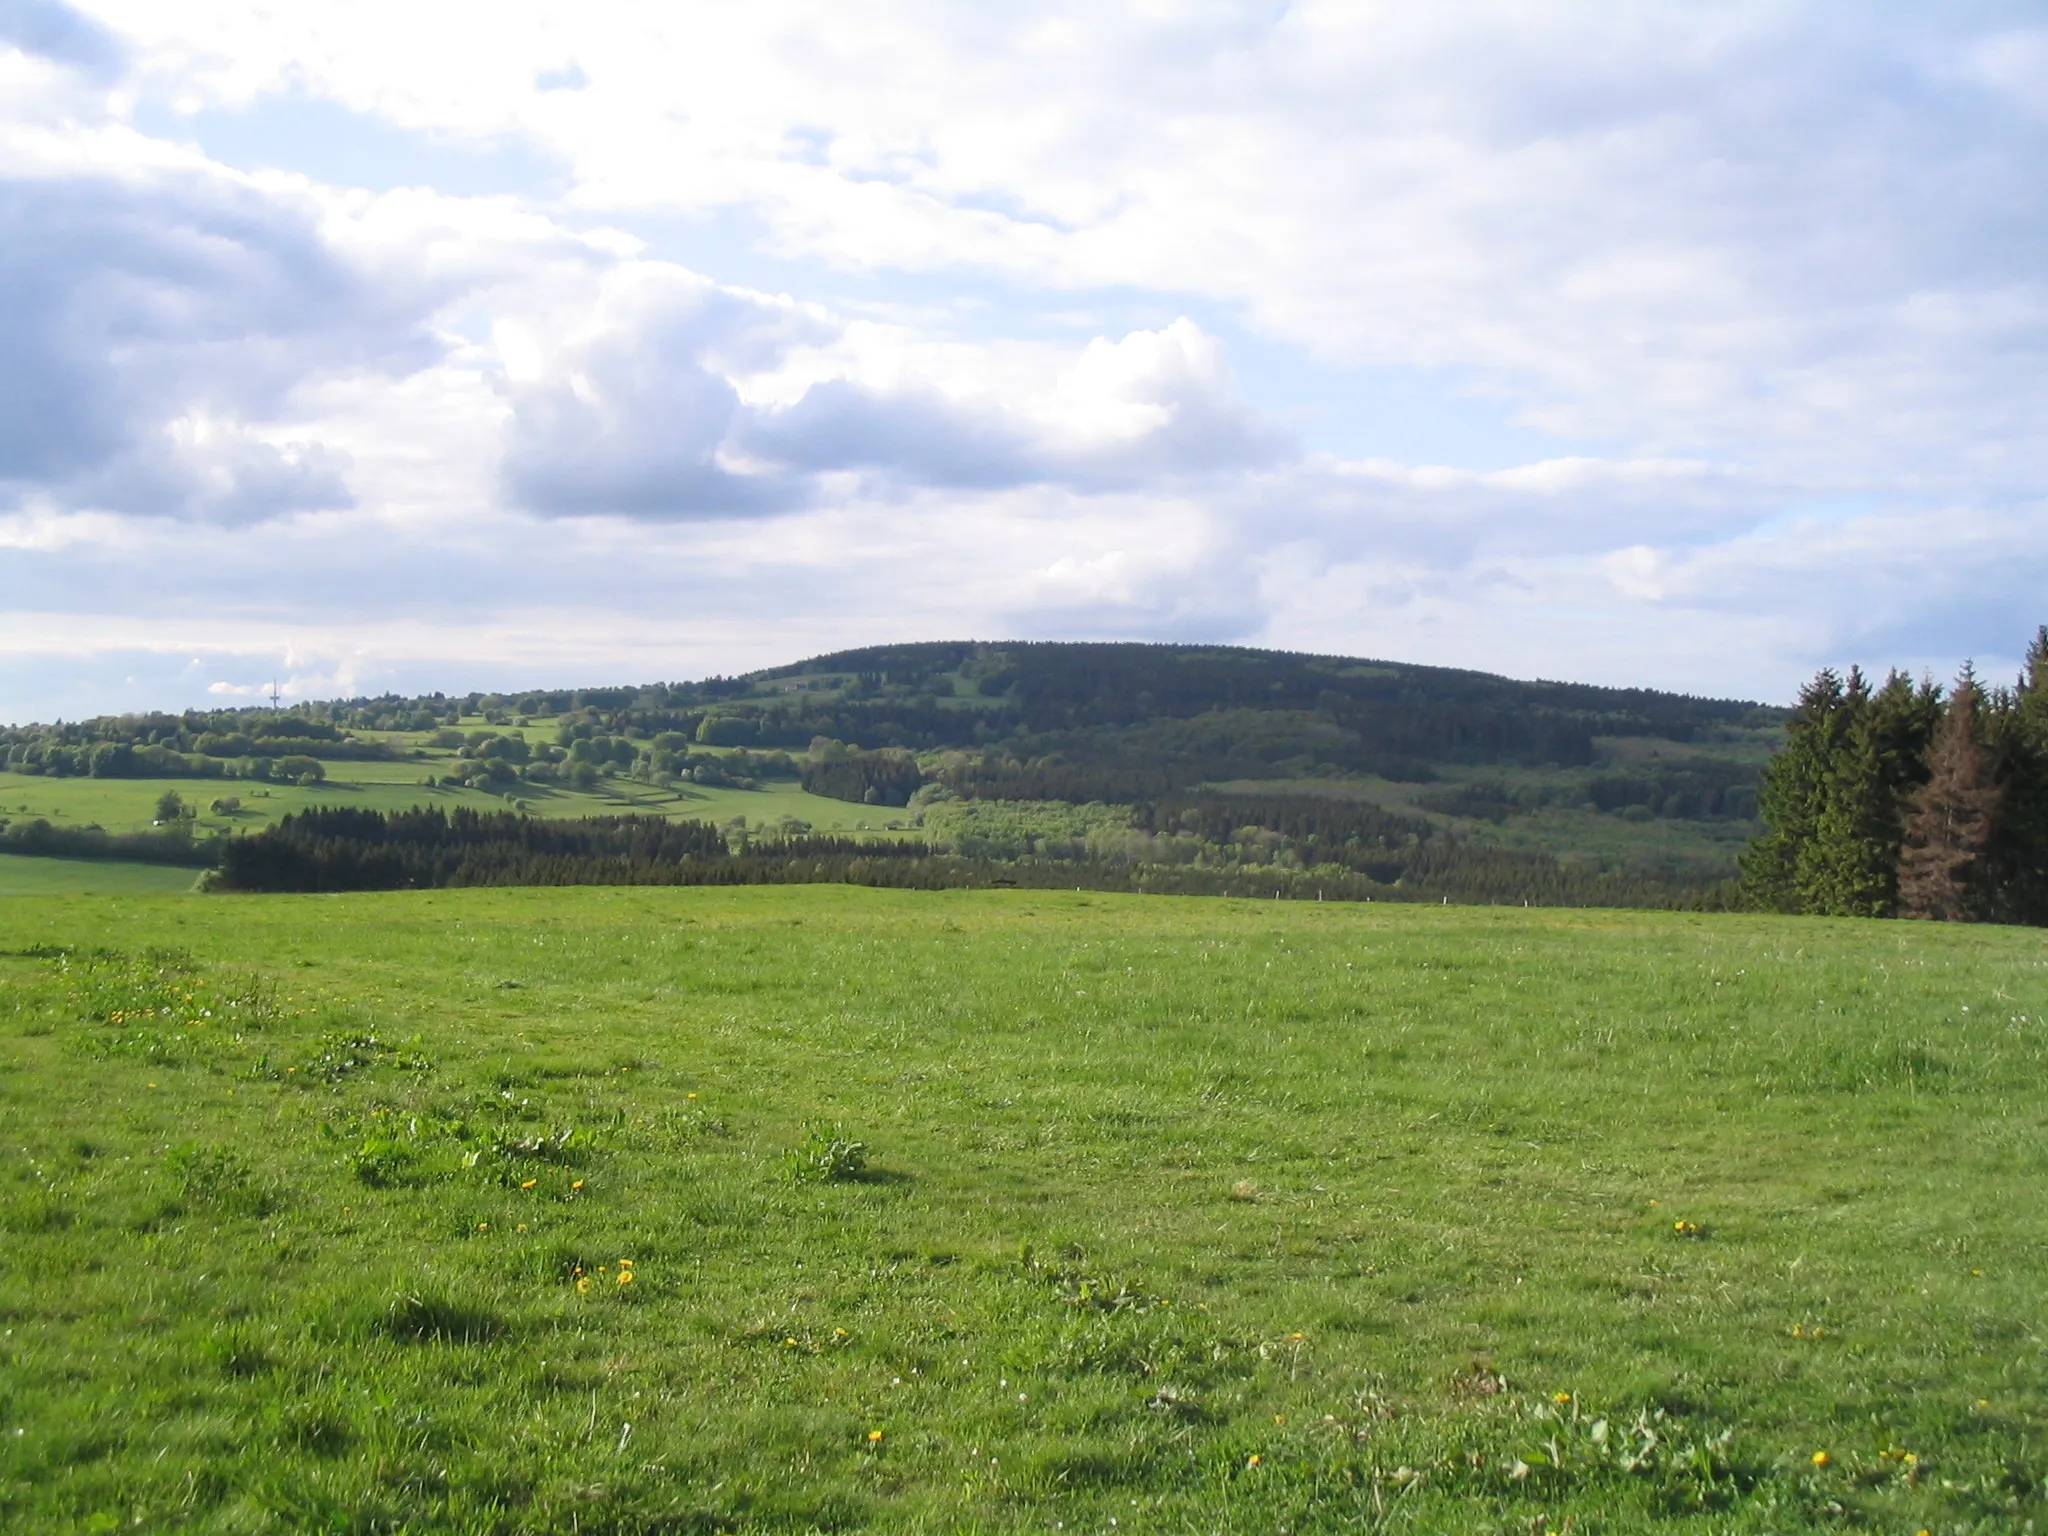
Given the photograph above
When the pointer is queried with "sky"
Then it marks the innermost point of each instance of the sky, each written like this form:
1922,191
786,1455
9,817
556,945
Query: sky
401,347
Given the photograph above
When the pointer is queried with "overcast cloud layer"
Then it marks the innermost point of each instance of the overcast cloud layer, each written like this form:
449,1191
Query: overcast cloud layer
389,346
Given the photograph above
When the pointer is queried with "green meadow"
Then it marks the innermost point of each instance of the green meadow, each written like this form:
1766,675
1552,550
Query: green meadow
832,1209
129,805
27,875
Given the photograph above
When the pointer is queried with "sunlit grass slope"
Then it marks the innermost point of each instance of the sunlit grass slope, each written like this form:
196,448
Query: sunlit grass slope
26,875
1195,1215
129,805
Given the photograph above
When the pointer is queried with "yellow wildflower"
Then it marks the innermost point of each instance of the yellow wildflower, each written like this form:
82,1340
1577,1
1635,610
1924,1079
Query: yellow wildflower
625,1277
1821,1458
1560,1398
1253,1460
874,1434
583,1285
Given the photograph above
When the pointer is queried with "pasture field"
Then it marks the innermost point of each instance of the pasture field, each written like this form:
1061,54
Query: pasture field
27,875
128,805
535,1210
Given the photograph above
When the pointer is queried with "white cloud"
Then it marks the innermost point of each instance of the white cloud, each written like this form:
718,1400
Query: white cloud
1745,261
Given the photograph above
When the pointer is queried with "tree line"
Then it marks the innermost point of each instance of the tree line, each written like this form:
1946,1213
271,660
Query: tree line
1903,799
359,850
195,745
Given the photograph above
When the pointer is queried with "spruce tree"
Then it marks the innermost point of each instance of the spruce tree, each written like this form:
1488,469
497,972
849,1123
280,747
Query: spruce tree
1792,796
1846,867
1832,800
1950,825
2016,734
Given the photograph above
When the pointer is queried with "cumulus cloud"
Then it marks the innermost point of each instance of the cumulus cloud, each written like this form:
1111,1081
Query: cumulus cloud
155,327
922,322
1152,406
636,412
52,30
669,396
1775,229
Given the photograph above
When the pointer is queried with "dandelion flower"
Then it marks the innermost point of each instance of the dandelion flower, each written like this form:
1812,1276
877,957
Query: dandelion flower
1821,1458
529,1183
625,1277
1253,1460
873,1434
1560,1398
583,1285
577,1185
483,1226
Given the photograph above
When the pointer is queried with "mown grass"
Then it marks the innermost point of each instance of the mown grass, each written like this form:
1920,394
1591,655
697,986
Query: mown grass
128,805
1191,1215
27,875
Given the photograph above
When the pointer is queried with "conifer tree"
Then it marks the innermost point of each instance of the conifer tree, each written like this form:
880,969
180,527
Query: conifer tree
2016,734
1942,867
1883,763
1850,863
1792,796
1832,800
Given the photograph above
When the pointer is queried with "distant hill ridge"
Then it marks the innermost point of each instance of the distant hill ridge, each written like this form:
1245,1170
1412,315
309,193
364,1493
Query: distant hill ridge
1170,714
1180,677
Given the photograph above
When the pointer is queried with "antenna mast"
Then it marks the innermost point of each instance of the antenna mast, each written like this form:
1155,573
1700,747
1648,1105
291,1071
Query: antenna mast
274,695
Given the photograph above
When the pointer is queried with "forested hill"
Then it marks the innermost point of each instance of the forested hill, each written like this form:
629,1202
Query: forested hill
1118,721
1056,685
1036,719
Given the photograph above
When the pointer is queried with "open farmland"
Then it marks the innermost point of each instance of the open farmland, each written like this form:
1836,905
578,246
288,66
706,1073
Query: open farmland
486,1211
26,875
128,805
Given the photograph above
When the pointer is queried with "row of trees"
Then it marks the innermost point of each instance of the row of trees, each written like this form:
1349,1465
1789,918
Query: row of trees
1286,846
1908,800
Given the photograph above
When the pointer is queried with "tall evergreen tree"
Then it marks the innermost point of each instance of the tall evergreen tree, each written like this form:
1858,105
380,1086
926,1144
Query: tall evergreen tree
2016,734
1849,867
1792,795
1943,873
1831,801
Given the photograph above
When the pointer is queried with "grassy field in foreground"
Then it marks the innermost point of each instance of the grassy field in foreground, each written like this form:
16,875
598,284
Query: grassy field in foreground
1192,1216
